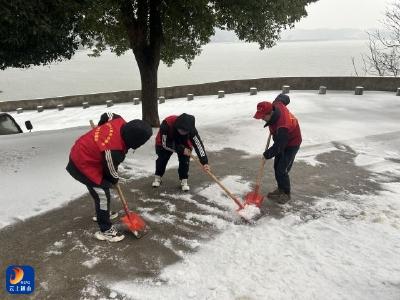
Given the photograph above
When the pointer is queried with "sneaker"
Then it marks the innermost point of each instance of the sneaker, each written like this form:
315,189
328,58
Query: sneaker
184,185
157,181
274,194
113,216
111,235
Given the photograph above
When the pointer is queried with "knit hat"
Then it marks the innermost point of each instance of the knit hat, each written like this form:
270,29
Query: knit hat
263,108
135,133
185,122
283,98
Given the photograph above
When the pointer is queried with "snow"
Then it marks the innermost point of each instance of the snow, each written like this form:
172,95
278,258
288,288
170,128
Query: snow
344,247
91,262
33,176
289,258
249,212
157,218
218,196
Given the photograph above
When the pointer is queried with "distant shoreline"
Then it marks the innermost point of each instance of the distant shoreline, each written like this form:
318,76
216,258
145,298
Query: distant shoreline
84,75
289,41
320,34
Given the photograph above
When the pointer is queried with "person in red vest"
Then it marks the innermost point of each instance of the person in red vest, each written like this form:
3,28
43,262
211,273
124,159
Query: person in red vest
94,160
178,134
285,131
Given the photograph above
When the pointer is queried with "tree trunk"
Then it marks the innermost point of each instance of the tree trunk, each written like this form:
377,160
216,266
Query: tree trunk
149,74
144,30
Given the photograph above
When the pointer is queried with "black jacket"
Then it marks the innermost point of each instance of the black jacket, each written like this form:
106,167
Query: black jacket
179,142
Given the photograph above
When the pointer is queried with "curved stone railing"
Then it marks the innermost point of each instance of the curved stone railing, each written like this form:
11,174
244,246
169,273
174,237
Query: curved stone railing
212,88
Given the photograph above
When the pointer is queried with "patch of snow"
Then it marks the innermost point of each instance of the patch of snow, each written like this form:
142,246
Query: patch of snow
219,223
193,244
215,194
188,198
53,252
157,218
249,212
59,244
91,262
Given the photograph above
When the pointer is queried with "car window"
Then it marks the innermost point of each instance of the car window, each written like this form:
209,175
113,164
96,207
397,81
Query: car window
7,126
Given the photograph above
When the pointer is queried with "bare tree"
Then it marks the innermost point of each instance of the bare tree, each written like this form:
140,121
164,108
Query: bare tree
383,58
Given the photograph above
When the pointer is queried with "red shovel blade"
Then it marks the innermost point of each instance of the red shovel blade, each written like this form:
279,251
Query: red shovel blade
254,198
135,223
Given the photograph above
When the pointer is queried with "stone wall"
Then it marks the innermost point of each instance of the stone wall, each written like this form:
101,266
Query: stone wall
231,86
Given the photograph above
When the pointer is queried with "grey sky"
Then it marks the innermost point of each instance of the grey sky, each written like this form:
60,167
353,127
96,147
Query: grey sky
362,14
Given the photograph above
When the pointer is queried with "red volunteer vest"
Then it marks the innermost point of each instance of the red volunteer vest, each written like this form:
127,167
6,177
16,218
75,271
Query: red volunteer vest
170,136
289,121
87,152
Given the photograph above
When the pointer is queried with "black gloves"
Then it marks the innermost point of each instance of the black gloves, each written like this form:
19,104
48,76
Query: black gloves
267,154
179,149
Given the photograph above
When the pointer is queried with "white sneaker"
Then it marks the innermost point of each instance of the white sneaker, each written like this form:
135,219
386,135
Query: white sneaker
111,235
157,181
113,216
184,185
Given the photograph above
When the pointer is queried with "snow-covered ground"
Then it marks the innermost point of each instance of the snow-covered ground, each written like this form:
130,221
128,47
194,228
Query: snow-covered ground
332,257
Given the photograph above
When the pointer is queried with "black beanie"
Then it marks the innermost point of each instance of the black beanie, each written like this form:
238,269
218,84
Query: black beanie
283,98
135,133
185,122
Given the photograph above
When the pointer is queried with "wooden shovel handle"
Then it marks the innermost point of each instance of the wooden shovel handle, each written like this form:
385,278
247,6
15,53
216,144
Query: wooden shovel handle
218,182
261,169
122,198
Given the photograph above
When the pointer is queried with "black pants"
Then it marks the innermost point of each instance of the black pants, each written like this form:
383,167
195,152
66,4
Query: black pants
100,194
282,164
101,197
162,161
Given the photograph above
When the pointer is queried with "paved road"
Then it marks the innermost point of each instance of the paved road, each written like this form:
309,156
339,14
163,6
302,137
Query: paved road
61,247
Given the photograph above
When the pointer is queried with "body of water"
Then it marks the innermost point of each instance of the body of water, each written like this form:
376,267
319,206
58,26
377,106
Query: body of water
218,61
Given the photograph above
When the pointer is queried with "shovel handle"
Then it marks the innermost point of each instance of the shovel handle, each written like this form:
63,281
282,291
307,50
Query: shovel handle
122,198
261,169
218,182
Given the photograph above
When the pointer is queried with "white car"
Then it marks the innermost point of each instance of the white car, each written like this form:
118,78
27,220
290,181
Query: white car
9,126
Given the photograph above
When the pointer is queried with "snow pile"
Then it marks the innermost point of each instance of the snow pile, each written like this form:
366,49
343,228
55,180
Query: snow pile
249,212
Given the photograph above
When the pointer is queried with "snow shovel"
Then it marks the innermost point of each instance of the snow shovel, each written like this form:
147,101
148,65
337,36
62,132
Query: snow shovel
131,220
254,197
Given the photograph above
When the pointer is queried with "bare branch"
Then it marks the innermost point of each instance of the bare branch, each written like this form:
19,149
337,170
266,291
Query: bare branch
354,65
383,58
